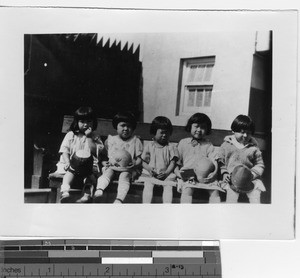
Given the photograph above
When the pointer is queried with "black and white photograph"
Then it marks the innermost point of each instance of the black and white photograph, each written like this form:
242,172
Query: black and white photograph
192,111
146,123
166,123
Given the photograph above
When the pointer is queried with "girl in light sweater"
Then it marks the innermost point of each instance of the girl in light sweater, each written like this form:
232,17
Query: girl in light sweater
241,149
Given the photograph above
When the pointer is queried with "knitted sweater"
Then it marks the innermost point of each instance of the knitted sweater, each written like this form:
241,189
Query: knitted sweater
232,153
191,151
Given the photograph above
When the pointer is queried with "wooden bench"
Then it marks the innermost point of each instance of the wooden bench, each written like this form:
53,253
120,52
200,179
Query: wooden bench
134,195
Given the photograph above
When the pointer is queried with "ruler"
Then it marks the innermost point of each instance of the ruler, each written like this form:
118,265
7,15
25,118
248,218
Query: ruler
83,258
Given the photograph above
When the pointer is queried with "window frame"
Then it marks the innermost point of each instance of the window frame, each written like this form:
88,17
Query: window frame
183,84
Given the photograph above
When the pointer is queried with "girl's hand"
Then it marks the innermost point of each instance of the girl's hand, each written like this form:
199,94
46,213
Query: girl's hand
150,170
162,175
67,166
178,174
97,139
152,173
226,178
137,162
105,164
88,132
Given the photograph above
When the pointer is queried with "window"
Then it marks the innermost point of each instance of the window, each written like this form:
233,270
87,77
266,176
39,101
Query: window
195,85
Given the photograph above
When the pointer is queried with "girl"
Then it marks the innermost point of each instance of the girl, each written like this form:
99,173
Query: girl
125,125
159,159
79,151
191,149
241,149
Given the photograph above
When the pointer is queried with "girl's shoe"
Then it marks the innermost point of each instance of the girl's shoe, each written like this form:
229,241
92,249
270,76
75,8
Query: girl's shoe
118,201
65,197
86,198
97,195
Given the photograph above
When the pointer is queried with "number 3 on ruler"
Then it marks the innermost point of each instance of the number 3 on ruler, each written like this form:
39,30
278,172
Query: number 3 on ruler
167,270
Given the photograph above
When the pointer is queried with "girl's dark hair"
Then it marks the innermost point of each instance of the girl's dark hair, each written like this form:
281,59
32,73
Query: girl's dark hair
161,122
126,117
84,113
199,118
242,122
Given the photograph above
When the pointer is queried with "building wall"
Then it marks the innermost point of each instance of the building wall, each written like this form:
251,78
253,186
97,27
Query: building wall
161,54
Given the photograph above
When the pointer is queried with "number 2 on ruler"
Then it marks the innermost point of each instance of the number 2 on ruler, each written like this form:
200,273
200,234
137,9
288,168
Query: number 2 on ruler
107,269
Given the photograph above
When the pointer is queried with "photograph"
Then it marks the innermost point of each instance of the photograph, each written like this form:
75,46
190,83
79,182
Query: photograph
155,105
166,128
138,127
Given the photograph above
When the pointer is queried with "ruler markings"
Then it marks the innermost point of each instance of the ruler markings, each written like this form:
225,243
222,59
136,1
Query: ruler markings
162,265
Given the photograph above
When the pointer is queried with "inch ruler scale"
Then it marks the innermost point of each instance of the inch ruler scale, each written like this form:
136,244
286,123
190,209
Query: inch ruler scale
93,258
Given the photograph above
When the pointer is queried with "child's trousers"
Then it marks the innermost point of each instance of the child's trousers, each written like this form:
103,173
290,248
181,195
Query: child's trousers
123,186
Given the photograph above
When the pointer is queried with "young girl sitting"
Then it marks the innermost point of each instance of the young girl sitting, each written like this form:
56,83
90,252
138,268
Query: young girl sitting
192,149
80,152
241,149
125,125
159,160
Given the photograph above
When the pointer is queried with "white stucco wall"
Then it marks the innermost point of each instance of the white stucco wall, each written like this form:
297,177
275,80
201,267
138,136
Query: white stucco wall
161,54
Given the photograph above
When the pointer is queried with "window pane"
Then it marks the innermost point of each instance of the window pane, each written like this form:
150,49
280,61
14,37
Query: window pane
207,99
196,84
191,98
199,98
208,73
200,73
192,73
